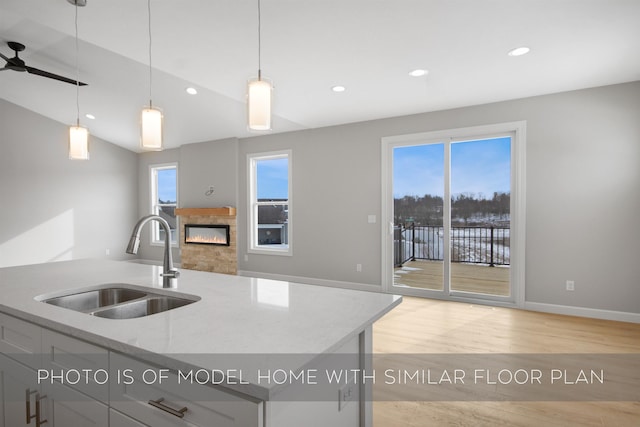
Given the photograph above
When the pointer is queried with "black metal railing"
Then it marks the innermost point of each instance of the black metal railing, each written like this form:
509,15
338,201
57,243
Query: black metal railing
477,245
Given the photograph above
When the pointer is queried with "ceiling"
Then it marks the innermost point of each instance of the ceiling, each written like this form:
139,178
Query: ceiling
308,46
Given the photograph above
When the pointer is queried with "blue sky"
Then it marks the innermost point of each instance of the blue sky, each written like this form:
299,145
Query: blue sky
481,167
273,177
167,185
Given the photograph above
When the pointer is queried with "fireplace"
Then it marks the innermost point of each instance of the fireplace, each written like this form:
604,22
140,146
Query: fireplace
207,234
202,256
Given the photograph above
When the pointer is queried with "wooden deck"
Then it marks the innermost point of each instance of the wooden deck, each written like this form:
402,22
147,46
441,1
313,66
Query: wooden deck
464,277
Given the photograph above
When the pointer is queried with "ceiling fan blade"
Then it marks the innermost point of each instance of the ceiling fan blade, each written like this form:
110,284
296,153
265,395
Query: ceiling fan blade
42,73
5,58
4,68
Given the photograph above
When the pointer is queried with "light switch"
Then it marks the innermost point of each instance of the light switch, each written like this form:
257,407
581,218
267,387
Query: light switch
372,219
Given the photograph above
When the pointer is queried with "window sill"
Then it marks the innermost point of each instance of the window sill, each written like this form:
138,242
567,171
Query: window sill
158,243
280,251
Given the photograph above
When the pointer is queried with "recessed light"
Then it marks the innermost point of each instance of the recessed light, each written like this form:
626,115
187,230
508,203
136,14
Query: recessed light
519,51
419,72
338,88
191,91
90,116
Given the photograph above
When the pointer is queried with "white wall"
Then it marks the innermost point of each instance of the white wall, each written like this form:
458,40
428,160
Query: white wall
55,209
583,194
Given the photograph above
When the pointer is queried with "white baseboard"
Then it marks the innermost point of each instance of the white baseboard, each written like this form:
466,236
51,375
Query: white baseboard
595,313
312,281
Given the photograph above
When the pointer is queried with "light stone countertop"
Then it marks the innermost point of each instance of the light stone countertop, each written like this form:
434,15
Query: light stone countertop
235,316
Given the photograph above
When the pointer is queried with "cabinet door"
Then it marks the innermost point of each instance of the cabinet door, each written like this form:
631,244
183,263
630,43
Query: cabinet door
21,396
66,407
87,365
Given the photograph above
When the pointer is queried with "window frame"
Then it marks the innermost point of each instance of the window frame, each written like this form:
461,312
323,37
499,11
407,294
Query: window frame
154,235
253,204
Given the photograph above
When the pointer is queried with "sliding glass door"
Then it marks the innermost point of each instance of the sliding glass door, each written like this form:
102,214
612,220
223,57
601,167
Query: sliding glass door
418,209
449,207
480,216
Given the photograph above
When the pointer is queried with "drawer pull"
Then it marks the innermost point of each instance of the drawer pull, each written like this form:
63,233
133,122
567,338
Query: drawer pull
39,398
158,404
27,399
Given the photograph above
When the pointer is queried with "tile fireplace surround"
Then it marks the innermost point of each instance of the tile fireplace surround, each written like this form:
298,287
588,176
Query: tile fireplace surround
218,259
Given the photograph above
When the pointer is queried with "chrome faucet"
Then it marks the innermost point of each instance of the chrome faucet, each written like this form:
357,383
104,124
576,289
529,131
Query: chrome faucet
169,273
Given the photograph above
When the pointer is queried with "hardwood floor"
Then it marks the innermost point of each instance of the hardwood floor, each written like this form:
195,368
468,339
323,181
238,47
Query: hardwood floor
429,326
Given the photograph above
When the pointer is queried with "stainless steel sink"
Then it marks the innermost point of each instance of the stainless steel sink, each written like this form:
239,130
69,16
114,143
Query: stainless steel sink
144,307
119,301
91,300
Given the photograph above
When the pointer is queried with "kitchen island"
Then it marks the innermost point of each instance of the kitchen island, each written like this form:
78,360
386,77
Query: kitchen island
250,351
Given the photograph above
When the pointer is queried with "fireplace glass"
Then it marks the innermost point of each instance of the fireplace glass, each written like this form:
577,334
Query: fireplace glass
207,234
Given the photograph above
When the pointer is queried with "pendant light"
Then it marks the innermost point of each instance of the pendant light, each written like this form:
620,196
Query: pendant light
151,118
78,135
259,94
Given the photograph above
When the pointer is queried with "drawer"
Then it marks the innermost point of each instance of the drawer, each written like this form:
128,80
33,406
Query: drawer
117,419
83,366
205,406
21,340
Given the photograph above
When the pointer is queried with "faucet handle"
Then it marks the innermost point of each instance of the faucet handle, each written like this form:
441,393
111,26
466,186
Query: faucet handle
173,273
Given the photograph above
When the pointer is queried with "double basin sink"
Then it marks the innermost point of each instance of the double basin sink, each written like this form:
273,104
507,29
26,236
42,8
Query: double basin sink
119,301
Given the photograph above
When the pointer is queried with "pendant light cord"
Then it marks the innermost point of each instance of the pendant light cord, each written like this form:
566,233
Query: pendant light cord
150,72
259,43
77,70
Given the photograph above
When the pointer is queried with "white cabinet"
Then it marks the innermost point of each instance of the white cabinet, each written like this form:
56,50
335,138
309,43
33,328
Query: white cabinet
85,366
21,348
21,341
66,407
52,379
32,400
167,405
116,419
21,395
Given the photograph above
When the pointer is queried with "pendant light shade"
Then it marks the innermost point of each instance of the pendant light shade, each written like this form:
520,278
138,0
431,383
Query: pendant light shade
259,93
151,134
151,129
259,104
78,143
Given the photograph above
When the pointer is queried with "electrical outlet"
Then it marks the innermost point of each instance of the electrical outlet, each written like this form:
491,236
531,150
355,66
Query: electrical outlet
359,268
346,394
571,285
107,252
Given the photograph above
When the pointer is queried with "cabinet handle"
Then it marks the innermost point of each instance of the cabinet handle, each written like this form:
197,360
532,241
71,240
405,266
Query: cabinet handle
177,412
39,422
27,400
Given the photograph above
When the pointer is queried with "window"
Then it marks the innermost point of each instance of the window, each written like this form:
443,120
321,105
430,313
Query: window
270,202
164,200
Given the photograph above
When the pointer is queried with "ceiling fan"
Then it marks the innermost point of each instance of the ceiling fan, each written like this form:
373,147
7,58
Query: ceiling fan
17,64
